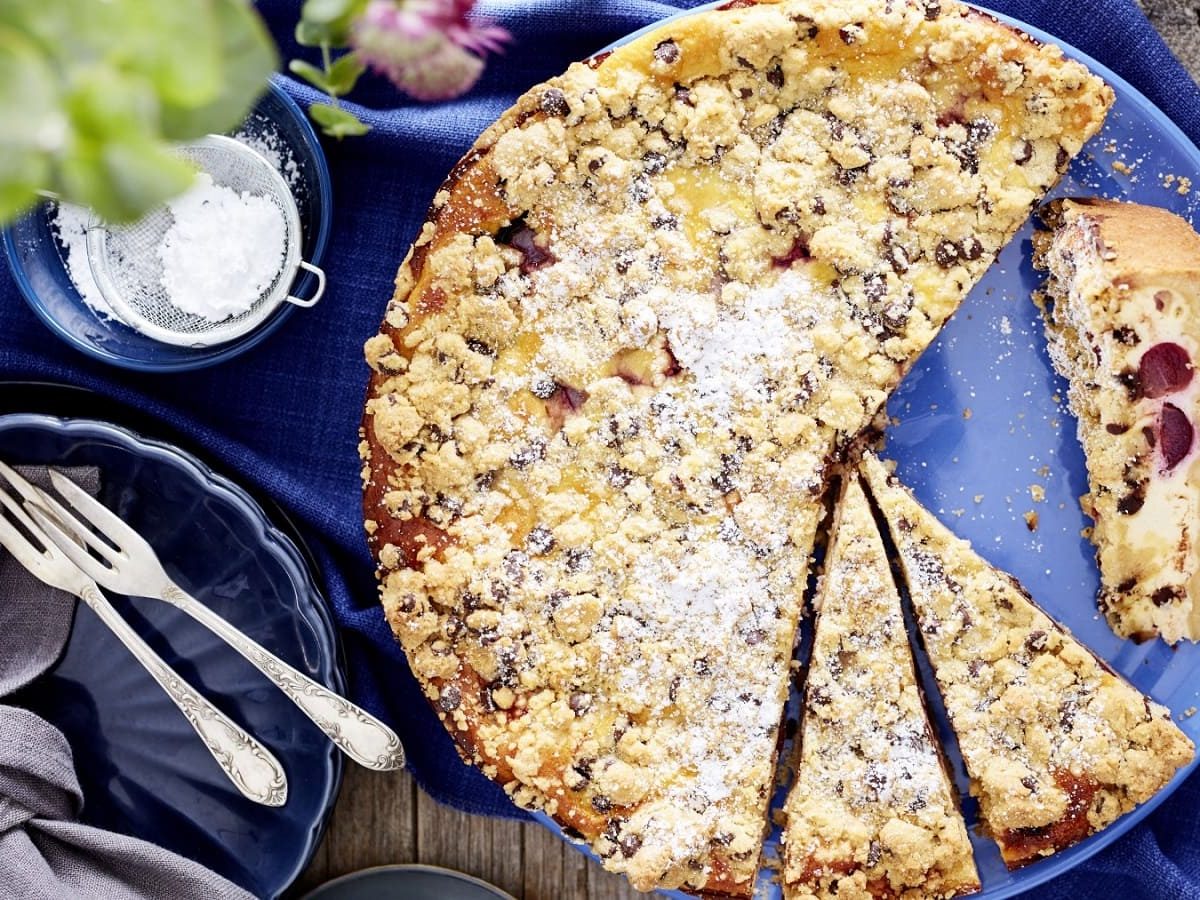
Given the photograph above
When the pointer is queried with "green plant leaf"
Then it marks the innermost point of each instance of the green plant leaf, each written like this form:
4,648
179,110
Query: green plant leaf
308,34
29,103
326,11
327,22
115,162
336,121
16,176
314,34
144,174
104,103
57,28
248,59
123,179
177,45
344,74
91,91
311,74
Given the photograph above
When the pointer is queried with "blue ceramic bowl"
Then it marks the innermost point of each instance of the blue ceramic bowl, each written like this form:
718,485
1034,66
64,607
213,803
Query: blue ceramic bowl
36,256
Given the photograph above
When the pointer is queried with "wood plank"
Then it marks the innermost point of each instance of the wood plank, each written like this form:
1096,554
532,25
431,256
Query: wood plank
383,819
508,843
373,824
604,885
490,849
543,866
576,868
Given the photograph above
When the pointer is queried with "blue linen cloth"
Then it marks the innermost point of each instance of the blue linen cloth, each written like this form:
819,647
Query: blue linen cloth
284,417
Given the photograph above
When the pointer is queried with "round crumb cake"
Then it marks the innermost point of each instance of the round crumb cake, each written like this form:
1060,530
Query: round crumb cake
645,317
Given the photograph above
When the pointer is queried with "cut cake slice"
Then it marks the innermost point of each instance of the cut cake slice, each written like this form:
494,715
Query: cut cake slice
1122,309
872,812
1057,745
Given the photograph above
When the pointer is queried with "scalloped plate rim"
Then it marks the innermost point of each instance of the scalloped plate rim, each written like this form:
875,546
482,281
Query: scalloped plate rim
282,548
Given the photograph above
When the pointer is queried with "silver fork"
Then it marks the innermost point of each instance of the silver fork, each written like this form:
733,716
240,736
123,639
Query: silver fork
249,765
130,566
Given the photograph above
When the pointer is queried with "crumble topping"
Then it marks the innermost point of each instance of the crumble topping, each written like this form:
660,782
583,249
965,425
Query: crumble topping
1057,745
649,310
872,812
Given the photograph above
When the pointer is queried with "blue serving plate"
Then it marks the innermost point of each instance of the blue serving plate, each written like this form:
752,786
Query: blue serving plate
142,769
982,417
36,258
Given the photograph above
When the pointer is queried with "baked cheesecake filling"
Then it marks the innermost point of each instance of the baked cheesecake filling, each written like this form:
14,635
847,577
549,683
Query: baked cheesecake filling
1128,342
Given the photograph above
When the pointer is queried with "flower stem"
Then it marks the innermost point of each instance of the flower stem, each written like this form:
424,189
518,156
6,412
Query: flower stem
328,63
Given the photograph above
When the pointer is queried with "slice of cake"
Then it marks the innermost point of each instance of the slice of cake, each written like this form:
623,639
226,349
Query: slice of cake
1057,745
646,313
872,812
1122,309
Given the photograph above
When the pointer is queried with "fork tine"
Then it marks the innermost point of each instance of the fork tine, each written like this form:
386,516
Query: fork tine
36,497
99,516
46,565
19,546
18,512
17,480
63,542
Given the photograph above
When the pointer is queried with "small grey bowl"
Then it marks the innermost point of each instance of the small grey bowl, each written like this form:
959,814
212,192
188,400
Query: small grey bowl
411,882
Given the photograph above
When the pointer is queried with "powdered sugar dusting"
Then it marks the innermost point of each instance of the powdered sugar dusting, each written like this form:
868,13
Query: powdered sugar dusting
261,135
867,746
735,353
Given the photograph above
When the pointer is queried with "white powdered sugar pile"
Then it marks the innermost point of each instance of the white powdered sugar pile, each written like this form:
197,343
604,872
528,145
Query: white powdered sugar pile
223,251
70,225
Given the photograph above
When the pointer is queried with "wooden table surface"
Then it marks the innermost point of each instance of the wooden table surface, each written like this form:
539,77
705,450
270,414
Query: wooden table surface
385,818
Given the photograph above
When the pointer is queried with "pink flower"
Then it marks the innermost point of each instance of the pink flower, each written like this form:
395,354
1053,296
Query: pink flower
429,49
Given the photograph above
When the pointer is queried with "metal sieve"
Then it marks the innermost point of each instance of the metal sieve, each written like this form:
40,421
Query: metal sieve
129,272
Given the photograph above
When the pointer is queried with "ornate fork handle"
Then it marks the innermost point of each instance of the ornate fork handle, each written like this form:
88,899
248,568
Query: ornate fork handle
249,765
360,735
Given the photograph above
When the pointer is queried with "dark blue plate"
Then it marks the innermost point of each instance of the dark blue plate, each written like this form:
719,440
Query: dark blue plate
409,882
142,768
981,418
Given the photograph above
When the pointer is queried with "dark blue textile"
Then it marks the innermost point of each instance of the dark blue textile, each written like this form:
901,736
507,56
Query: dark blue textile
284,417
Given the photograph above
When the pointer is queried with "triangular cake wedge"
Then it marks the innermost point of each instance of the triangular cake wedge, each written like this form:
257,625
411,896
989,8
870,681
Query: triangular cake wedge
872,812
1057,745
1122,309
645,314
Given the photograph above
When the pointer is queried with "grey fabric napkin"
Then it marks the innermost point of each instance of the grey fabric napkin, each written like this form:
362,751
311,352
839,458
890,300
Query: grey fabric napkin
45,852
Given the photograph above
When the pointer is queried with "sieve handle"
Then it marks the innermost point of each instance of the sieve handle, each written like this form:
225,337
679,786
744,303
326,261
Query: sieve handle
318,293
